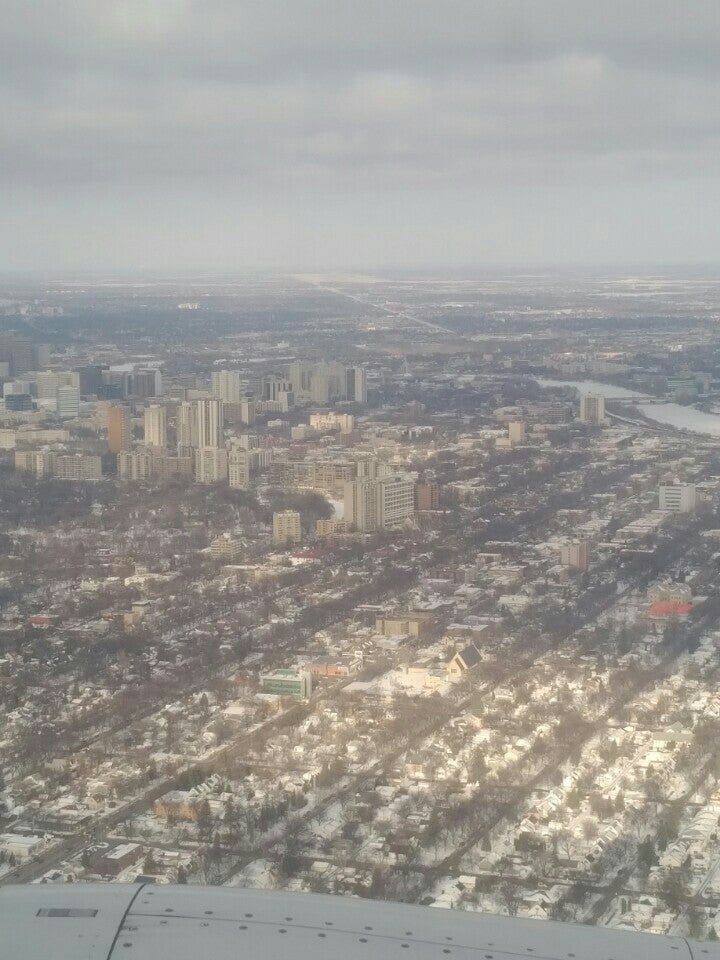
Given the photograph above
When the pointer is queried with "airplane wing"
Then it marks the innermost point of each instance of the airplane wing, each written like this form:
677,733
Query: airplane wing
148,922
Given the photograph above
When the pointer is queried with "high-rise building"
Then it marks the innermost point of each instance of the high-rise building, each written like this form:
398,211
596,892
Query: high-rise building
228,549
427,496
210,423
678,497
187,427
211,465
247,410
155,418
239,468
575,554
395,499
592,408
300,376
134,464
119,428
356,384
21,354
228,385
68,402
18,402
144,382
287,527
91,380
360,502
38,462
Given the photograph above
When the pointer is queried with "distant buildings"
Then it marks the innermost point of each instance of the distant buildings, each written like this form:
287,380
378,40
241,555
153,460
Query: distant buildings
286,527
48,463
324,382
332,421
678,497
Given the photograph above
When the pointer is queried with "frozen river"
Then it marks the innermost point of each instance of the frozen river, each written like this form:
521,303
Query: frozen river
673,414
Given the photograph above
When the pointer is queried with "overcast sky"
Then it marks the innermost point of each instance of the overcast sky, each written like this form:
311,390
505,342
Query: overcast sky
310,134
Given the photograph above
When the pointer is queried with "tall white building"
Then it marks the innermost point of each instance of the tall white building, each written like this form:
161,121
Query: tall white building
155,418
678,497
187,427
592,408
210,425
68,402
360,502
228,385
395,499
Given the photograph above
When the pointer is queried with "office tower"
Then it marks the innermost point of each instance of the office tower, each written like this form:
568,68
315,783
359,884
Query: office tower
228,385
516,431
46,385
592,408
395,499
286,527
360,501
21,354
91,380
18,402
155,426
575,554
144,383
239,468
68,402
211,465
187,427
356,384
119,428
678,497
210,424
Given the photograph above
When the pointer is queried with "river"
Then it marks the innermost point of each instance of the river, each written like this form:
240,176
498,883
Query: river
672,414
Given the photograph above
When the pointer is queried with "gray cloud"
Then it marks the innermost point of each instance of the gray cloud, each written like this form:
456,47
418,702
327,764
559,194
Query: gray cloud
263,98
